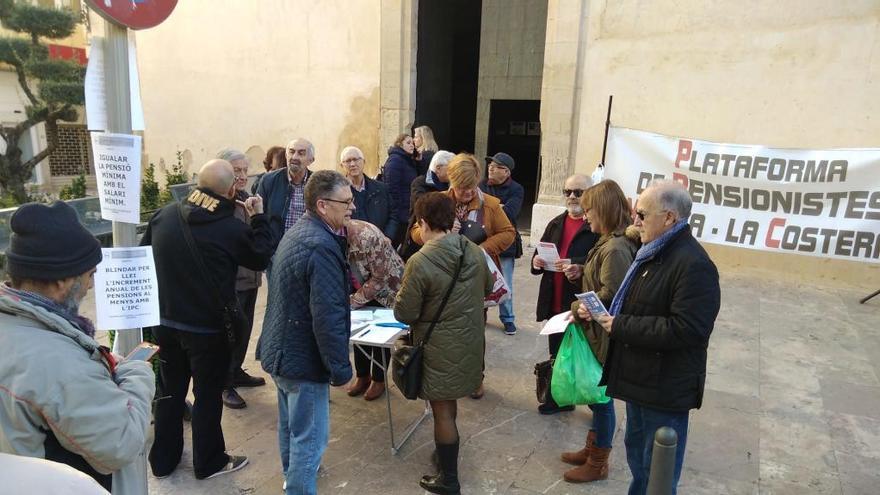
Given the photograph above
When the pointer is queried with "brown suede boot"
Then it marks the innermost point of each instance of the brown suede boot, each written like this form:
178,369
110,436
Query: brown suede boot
358,386
580,457
596,467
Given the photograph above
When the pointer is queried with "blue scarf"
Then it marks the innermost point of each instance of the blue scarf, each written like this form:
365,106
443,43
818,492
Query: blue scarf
435,181
81,323
645,253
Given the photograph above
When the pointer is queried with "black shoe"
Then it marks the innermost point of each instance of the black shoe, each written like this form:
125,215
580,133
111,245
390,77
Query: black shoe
242,379
446,482
553,408
509,328
232,399
235,463
187,410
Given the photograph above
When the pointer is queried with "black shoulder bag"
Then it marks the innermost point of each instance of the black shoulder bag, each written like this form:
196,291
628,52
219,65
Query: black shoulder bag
233,319
407,360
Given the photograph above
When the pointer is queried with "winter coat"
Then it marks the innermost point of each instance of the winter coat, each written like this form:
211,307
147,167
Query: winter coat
657,355
398,173
374,264
245,279
274,188
224,242
583,241
307,325
453,359
511,194
375,207
424,161
56,388
604,271
499,231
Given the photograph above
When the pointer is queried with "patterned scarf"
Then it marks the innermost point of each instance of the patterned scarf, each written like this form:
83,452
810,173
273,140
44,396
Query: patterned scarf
81,323
645,253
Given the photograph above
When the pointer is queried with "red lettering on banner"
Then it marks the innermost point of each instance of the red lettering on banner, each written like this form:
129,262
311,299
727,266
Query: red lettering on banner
680,178
685,148
769,241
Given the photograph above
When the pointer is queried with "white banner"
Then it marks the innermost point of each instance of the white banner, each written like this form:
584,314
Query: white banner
117,160
126,289
816,202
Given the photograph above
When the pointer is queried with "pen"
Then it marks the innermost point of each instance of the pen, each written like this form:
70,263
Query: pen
362,335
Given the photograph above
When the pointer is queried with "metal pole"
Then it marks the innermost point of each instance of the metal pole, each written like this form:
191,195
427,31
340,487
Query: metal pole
607,125
662,474
119,120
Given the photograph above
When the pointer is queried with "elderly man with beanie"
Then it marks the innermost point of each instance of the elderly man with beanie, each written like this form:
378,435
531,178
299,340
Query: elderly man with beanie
193,344
85,409
499,183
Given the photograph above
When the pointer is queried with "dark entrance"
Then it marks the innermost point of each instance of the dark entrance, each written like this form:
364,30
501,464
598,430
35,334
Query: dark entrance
447,66
515,129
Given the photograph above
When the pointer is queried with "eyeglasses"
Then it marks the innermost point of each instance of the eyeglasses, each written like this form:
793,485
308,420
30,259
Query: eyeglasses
641,214
568,192
347,202
351,161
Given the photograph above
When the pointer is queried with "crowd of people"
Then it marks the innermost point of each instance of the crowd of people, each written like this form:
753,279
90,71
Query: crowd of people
413,241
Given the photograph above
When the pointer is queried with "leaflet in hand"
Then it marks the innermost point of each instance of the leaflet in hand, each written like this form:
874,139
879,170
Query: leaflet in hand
547,251
557,324
593,303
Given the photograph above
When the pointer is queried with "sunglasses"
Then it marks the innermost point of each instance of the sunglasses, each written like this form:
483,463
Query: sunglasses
642,214
568,192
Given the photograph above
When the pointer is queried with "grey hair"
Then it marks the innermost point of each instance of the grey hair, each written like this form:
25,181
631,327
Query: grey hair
310,147
441,157
231,154
586,178
322,184
349,149
672,196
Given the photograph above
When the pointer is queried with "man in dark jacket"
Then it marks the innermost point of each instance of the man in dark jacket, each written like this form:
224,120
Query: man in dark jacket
371,200
500,184
191,337
282,189
307,326
662,317
571,235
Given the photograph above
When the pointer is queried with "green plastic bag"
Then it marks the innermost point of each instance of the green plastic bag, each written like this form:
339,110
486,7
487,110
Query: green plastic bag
576,372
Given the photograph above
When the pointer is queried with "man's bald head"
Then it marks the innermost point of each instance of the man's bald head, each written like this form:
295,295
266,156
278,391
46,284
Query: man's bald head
578,181
217,176
576,184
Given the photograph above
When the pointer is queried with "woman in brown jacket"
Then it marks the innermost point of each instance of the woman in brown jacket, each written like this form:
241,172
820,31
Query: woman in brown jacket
608,212
478,216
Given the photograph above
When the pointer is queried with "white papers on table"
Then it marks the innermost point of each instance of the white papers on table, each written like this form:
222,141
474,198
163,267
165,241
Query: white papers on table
357,326
361,315
547,251
557,324
376,335
383,314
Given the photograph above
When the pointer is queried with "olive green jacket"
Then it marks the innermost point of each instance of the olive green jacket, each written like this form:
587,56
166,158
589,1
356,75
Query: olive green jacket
604,271
453,359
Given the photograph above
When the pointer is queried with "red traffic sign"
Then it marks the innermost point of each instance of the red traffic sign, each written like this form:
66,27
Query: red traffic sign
134,14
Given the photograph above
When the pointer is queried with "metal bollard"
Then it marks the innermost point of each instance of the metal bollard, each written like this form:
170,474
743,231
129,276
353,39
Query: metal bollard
662,471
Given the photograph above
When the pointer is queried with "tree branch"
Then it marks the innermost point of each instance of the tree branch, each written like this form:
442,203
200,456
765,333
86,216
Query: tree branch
22,78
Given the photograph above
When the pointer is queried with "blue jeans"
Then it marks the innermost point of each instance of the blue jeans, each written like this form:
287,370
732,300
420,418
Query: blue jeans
505,309
641,423
303,431
604,423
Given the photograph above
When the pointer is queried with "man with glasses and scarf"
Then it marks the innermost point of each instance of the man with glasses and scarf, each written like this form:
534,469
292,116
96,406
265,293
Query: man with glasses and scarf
571,235
63,397
660,322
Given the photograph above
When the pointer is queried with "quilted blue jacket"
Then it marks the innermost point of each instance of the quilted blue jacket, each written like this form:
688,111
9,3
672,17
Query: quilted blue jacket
307,324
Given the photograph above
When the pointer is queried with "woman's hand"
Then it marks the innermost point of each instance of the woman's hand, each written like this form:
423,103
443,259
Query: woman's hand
573,272
538,263
584,313
606,321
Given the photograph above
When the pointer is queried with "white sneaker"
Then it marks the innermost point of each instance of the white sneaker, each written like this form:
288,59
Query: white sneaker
235,463
284,486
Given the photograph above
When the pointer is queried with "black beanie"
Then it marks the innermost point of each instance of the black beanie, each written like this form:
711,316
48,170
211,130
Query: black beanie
49,243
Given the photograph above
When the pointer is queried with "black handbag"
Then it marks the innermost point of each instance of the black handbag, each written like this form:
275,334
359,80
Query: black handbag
232,317
543,375
407,359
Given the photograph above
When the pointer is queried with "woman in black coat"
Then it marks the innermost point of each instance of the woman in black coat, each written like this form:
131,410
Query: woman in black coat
398,173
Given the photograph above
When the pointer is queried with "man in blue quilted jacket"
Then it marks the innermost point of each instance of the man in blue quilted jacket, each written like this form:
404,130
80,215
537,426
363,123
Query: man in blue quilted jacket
304,344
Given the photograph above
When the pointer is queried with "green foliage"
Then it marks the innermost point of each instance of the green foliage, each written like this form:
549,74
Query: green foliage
52,87
7,201
177,175
149,191
75,190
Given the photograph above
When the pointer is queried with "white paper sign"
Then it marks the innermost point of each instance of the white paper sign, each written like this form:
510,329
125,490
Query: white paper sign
96,87
117,160
557,324
126,289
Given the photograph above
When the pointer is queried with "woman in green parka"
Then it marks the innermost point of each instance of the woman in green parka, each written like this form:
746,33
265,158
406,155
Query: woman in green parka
453,357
